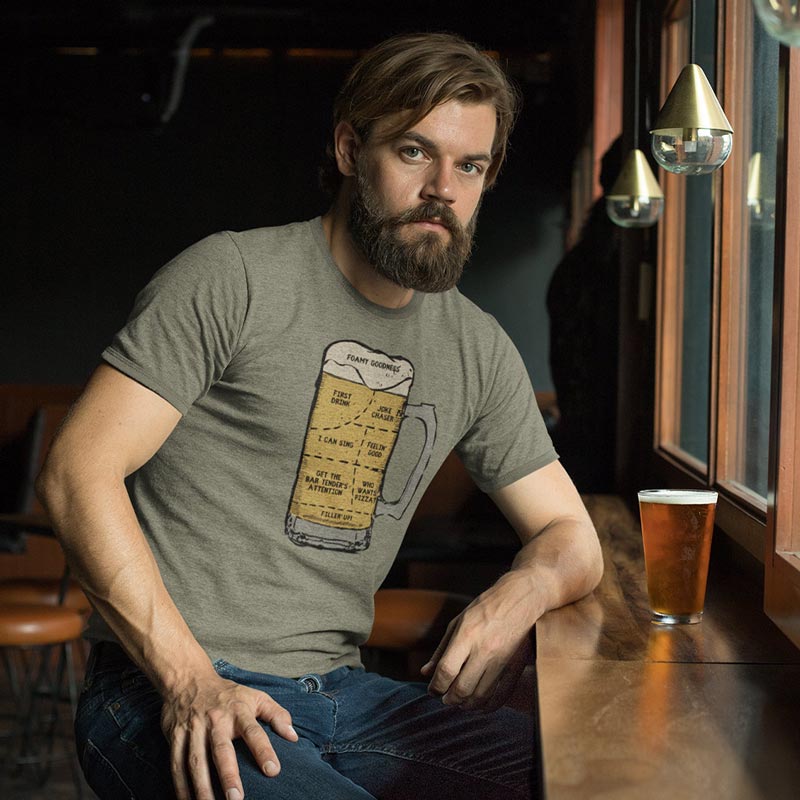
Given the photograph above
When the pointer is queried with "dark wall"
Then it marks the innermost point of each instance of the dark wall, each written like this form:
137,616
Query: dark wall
98,196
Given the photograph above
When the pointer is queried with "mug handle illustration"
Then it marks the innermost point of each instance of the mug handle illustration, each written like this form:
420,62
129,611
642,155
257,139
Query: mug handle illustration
425,413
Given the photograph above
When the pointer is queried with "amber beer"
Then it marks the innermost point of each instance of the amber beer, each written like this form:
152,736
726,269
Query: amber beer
676,529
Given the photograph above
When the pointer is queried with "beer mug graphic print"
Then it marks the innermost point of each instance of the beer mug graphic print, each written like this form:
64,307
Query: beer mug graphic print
355,420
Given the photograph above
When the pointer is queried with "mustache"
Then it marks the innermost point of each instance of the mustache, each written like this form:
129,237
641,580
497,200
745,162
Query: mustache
431,211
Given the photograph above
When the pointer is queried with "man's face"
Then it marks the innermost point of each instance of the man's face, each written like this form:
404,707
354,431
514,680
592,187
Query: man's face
416,200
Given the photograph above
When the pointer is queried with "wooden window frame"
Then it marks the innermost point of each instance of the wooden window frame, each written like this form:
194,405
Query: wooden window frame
782,561
770,530
741,513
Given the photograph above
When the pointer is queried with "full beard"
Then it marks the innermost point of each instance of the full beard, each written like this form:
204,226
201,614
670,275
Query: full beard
426,263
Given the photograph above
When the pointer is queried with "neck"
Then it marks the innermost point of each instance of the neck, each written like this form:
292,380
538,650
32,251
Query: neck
351,262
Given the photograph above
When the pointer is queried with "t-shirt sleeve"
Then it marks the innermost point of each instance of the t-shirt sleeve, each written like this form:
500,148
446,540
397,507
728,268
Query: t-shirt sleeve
185,325
508,438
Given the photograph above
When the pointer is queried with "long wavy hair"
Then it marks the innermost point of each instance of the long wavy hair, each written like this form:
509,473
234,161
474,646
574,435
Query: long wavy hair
408,76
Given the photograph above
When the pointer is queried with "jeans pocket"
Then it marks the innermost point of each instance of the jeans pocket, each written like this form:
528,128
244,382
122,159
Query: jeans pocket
121,743
136,710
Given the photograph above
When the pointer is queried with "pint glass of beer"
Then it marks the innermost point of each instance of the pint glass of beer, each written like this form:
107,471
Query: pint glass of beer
676,529
355,421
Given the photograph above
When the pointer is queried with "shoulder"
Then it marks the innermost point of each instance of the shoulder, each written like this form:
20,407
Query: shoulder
237,254
472,325
292,240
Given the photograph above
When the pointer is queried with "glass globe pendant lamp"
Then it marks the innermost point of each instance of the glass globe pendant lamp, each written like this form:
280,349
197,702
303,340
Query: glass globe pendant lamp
692,135
635,199
760,194
781,18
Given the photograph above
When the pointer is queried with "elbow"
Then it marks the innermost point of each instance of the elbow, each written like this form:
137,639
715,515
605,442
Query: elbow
596,570
46,487
51,486
595,566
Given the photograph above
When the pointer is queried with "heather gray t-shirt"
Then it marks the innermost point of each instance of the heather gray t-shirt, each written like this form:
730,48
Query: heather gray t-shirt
312,422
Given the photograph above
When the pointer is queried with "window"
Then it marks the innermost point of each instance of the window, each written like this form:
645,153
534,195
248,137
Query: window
747,270
729,297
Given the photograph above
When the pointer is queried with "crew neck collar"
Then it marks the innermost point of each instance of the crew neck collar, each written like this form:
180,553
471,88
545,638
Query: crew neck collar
408,310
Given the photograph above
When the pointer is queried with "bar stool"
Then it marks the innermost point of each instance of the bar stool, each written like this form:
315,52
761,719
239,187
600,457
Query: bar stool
44,591
25,630
50,592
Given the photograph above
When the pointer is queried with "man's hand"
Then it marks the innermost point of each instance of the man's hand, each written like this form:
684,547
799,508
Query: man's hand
486,647
205,716
483,652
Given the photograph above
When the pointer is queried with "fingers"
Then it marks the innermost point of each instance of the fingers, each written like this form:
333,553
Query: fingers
177,764
256,739
476,681
280,720
428,668
492,693
211,723
450,666
197,761
260,746
224,755
479,674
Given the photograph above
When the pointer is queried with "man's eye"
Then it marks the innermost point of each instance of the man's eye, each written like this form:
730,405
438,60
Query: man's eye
412,152
471,169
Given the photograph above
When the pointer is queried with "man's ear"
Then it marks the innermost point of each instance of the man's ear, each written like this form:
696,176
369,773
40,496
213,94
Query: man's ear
345,146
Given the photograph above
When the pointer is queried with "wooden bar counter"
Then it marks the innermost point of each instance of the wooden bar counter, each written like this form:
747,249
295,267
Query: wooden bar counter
635,710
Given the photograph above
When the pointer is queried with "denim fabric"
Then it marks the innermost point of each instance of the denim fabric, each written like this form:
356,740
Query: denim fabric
362,736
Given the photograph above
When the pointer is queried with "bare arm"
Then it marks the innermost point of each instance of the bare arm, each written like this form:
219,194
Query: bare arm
486,647
115,427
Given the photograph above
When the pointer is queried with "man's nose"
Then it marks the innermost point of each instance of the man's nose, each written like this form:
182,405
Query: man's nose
440,184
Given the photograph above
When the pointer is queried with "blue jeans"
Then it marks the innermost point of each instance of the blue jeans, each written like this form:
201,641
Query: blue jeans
362,736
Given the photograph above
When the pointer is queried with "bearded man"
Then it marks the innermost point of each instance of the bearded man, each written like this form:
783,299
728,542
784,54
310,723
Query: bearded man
234,483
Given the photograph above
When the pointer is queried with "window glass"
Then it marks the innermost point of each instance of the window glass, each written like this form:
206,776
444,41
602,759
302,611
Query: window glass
757,276
697,268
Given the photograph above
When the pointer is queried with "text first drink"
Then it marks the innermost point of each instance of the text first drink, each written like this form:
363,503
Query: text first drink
677,527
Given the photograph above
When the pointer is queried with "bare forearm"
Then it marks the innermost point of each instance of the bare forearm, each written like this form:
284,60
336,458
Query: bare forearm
109,556
561,564
558,566
487,646
114,429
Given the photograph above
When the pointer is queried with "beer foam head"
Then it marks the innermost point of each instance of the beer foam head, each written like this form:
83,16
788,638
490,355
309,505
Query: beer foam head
678,497
354,362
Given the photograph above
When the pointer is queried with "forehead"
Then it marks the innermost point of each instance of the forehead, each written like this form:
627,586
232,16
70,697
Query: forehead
468,126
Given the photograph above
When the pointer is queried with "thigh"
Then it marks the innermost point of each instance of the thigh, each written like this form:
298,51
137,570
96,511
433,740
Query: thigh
401,744
125,755
304,774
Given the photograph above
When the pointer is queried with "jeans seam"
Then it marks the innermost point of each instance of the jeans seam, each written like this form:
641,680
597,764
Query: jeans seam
99,754
335,718
416,758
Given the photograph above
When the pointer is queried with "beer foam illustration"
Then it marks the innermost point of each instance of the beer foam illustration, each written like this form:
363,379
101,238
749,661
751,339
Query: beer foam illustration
352,361
677,497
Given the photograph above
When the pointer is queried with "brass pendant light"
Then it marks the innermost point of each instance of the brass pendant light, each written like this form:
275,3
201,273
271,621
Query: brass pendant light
635,199
692,135
760,193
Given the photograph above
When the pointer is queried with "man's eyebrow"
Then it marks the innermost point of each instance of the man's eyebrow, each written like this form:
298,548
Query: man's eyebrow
429,144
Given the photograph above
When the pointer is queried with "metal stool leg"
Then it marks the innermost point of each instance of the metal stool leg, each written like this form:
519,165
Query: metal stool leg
38,700
72,688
